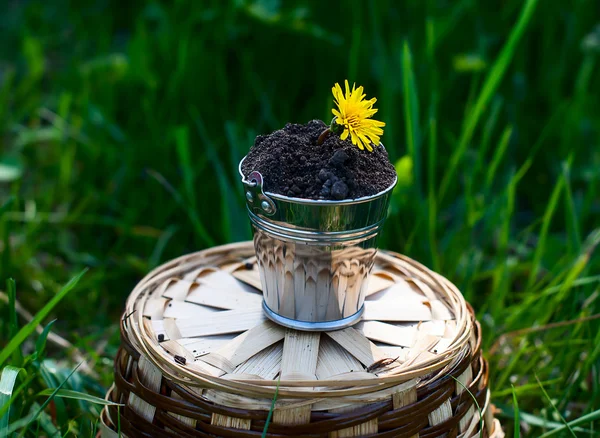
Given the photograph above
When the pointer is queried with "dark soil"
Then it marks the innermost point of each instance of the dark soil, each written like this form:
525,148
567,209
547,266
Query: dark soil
292,164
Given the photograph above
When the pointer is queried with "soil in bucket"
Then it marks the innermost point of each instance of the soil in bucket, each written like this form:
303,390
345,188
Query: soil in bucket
293,164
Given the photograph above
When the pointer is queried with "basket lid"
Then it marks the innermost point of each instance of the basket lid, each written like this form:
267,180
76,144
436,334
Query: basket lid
199,319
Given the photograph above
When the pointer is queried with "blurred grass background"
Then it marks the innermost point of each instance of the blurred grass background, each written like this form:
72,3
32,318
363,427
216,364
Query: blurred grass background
121,126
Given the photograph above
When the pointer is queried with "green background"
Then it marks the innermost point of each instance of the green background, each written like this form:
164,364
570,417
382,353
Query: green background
122,123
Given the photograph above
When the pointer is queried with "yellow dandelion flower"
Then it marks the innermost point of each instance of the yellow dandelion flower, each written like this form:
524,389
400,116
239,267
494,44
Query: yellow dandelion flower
354,117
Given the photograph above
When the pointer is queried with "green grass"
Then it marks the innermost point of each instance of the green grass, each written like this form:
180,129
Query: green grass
120,135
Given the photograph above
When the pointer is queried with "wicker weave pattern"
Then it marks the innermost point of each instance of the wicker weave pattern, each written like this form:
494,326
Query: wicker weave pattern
198,359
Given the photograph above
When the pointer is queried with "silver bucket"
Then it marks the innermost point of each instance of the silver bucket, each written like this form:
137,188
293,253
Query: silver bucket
314,256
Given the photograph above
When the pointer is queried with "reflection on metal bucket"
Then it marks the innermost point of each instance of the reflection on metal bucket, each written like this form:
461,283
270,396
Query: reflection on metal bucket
314,256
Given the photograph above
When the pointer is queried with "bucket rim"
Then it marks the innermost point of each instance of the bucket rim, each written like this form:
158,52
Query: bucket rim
323,202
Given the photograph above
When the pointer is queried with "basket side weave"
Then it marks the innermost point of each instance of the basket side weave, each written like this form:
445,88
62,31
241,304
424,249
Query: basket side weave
441,408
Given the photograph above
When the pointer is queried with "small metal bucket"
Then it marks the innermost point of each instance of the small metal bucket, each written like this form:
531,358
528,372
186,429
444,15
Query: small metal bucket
314,256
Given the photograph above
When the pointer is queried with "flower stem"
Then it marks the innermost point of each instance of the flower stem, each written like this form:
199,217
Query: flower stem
335,127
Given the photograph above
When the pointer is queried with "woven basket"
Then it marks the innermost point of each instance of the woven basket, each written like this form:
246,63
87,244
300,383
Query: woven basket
198,358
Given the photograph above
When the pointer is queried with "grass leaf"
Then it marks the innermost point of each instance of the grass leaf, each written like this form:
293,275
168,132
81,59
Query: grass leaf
34,416
7,204
541,244
11,289
77,395
411,114
498,155
40,344
192,213
481,425
270,416
432,219
516,414
232,212
571,425
555,408
8,380
29,328
185,161
490,85
534,420
571,216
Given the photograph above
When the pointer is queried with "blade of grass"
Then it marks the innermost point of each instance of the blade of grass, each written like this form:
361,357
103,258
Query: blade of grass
450,22
506,411
7,204
486,136
513,362
22,387
482,155
77,395
471,99
502,278
185,161
411,115
16,341
233,223
51,376
541,244
238,144
516,413
528,330
8,380
35,416
526,389
571,217
270,416
40,344
584,281
567,426
11,289
6,86
192,214
94,427
498,156
431,198
535,295
354,53
588,418
474,401
489,87
430,40
239,229
5,231
161,244
548,128
580,264
29,419
382,60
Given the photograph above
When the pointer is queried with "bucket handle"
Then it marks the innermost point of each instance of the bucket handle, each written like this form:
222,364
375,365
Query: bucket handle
256,197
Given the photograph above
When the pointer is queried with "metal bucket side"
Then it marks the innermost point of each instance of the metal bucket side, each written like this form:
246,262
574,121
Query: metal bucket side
314,287
322,216
314,257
